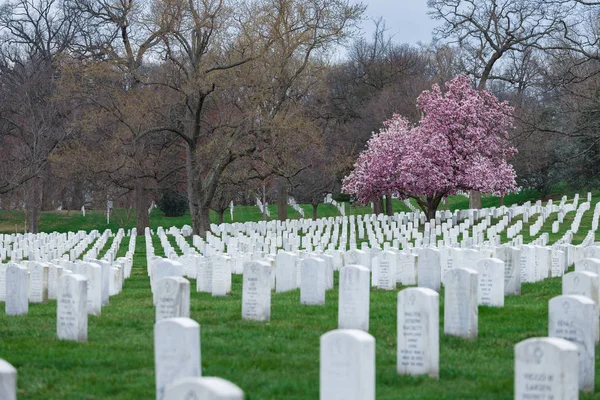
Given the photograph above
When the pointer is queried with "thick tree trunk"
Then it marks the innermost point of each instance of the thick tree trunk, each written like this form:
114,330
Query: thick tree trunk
429,205
33,205
389,208
314,217
199,211
475,199
501,201
377,207
141,207
282,196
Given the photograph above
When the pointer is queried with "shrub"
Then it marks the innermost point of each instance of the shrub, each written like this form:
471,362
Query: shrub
172,203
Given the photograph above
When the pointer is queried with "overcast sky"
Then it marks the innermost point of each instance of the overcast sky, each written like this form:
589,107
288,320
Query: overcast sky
407,20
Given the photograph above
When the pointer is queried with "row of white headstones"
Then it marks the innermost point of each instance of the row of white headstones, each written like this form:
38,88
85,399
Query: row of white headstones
573,316
318,273
399,231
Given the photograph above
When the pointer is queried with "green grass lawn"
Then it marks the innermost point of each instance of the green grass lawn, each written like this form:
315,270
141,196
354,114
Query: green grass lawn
274,360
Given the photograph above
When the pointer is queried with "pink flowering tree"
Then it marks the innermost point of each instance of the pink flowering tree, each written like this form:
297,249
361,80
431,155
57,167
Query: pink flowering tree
460,144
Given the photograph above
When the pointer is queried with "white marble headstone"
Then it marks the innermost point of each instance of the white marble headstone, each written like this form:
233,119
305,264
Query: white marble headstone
172,297
460,303
347,369
312,281
546,368
353,302
8,381
575,318
285,279
512,274
429,269
17,290
176,351
418,332
71,308
256,291
491,282
209,388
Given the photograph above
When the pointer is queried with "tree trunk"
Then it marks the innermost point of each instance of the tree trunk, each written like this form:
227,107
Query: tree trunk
282,196
377,207
429,205
198,210
501,201
221,216
389,208
475,199
141,207
33,206
315,211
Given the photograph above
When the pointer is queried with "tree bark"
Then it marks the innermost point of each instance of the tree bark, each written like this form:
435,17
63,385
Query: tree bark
314,216
282,196
221,216
198,210
475,199
377,207
141,207
33,206
429,205
389,208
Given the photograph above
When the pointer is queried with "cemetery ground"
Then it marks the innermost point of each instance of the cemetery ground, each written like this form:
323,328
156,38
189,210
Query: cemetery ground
267,360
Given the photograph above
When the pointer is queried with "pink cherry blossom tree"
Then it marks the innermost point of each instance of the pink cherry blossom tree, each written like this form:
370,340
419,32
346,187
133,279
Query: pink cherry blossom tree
460,144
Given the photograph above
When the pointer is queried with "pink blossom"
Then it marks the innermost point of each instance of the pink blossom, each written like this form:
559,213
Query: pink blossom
459,144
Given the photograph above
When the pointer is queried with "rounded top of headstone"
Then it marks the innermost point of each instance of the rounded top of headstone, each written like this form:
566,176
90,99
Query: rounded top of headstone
569,298
553,342
418,291
357,267
6,368
182,322
355,334
204,386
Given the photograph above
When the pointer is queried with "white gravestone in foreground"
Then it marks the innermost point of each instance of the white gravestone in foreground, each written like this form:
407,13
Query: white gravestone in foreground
491,282
286,271
256,291
573,318
8,381
429,269
546,368
312,281
209,388
204,276
38,282
172,297
93,273
54,274
176,351
353,302
460,303
418,332
3,281
512,273
347,368
71,308
406,266
384,265
221,275
17,290
587,284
